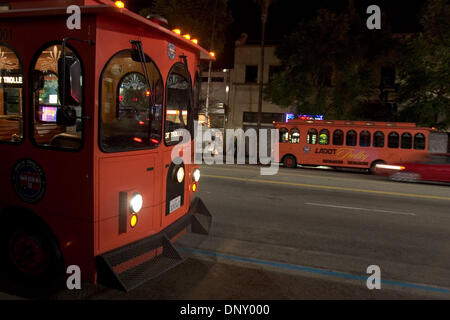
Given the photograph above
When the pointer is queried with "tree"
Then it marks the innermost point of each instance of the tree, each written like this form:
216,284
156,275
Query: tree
327,65
425,70
195,17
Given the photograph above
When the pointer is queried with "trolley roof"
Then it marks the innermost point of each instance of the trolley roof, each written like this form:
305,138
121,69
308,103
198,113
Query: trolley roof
29,9
350,123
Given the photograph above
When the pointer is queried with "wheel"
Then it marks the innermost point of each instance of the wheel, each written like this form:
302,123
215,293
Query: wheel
31,257
289,161
373,166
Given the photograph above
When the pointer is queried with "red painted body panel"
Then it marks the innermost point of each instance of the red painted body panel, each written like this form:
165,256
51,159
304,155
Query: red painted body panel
81,200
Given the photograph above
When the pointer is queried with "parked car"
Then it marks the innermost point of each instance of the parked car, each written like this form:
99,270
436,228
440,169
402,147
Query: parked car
433,167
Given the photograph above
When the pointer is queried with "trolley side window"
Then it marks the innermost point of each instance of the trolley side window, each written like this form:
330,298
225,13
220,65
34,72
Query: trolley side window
324,137
178,102
351,138
131,112
11,96
393,140
284,135
47,132
419,141
338,137
378,139
294,135
311,137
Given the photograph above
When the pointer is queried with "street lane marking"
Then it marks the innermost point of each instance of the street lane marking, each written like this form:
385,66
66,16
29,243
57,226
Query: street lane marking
360,209
410,195
311,270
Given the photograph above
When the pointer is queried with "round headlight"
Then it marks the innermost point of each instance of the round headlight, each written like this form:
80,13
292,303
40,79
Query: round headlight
180,174
196,174
136,203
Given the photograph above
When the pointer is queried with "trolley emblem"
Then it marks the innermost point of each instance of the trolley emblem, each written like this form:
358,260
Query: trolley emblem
28,180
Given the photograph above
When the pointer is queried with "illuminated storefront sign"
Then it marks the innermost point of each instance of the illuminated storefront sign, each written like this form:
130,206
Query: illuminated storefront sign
11,80
292,116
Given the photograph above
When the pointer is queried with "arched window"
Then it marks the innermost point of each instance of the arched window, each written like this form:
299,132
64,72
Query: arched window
352,137
364,138
46,99
178,102
311,138
324,137
284,135
294,135
11,96
338,137
131,110
393,140
378,139
406,142
419,141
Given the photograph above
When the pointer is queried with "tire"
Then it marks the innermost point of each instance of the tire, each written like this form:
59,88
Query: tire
31,257
374,164
289,161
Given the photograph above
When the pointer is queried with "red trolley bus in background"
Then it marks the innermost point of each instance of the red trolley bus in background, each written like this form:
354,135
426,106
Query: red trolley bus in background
354,144
87,119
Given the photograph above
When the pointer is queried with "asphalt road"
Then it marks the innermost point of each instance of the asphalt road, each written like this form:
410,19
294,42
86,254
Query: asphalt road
308,234
306,221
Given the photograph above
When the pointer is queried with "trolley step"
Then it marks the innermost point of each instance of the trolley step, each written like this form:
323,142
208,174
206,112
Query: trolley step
118,270
130,266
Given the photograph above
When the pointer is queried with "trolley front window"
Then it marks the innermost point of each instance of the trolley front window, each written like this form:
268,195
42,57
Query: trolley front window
11,96
131,111
178,102
47,132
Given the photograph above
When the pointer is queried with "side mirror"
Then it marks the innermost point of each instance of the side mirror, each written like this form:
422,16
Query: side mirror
69,81
66,116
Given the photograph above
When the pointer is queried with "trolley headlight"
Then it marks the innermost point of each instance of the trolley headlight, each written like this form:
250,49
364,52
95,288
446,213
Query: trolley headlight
136,203
196,174
180,174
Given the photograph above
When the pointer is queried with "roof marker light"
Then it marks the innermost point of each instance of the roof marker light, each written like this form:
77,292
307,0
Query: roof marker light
119,4
187,36
177,31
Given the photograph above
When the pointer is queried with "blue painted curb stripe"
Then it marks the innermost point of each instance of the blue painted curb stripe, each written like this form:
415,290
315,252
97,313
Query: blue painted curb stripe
311,270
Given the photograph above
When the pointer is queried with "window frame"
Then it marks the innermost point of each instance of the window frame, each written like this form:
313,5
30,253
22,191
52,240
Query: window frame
286,130
24,93
328,137
369,141
309,138
398,140
293,130
384,139
100,106
424,140
410,143
31,111
346,138
342,137
190,109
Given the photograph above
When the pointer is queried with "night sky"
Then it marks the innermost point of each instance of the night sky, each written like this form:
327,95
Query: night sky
284,16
